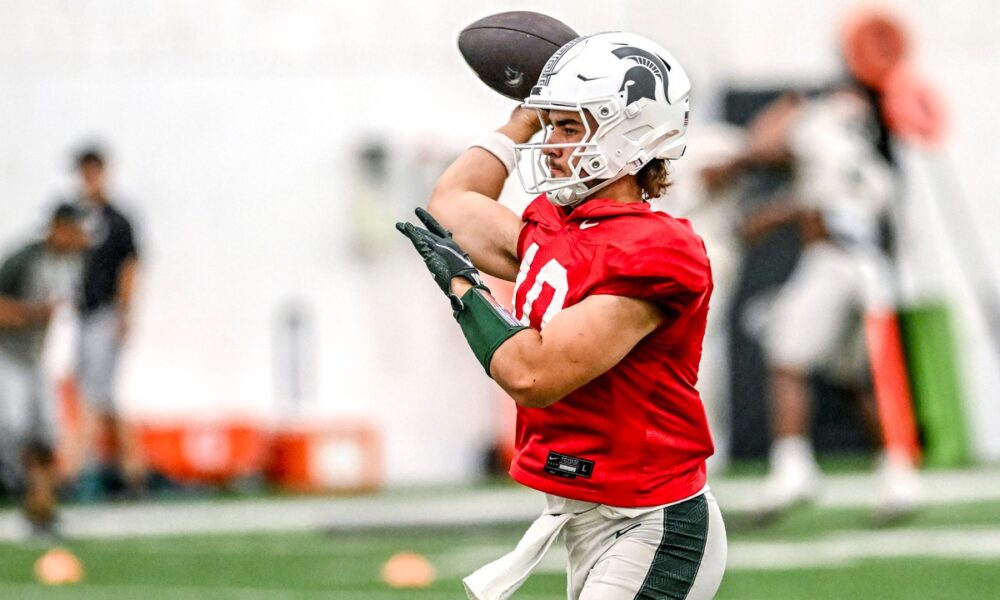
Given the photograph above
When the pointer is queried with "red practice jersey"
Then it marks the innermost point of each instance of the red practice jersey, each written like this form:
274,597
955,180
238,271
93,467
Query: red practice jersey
636,435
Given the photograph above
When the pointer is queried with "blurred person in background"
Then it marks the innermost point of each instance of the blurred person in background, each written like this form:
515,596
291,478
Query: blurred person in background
34,281
104,305
602,350
843,181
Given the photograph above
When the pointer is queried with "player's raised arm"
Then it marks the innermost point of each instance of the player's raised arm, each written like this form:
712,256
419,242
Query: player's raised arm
464,198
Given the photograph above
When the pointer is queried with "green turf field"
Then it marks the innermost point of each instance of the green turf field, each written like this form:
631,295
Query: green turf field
946,552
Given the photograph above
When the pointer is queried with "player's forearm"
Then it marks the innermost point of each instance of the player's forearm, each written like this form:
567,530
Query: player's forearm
11,316
537,369
126,284
524,370
464,199
762,223
484,167
475,170
15,314
467,206
518,364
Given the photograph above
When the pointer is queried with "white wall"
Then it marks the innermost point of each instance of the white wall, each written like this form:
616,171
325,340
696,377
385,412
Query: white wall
231,124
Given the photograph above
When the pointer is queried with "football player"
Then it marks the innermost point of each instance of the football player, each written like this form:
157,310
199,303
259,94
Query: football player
601,352
826,316
105,305
33,282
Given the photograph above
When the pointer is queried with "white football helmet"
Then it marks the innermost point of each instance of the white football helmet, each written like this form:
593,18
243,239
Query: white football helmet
638,94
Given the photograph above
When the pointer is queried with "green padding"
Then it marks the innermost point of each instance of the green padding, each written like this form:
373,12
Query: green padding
485,324
930,354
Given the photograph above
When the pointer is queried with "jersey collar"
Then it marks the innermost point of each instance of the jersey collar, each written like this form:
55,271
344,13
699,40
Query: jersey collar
606,207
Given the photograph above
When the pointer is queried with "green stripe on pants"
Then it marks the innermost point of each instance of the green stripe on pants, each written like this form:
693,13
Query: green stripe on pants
678,558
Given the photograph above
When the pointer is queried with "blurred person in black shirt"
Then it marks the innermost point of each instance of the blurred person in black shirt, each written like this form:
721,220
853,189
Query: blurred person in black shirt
105,304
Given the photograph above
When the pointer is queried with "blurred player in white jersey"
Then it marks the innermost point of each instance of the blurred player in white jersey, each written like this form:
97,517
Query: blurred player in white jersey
34,281
842,186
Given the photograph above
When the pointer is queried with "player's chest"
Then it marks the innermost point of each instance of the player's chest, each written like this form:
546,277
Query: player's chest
557,270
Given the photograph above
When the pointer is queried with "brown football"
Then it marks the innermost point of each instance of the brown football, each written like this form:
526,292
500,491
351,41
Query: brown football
508,50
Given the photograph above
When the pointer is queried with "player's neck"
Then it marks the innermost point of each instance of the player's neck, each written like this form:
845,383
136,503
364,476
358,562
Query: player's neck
624,190
94,197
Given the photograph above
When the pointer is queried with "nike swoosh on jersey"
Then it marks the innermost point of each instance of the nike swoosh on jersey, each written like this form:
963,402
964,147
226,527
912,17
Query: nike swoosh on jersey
588,224
622,532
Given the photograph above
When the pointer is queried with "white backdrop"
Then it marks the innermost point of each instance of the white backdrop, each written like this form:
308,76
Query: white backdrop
231,124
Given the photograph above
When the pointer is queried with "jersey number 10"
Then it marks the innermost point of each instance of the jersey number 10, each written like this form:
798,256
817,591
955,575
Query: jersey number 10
552,274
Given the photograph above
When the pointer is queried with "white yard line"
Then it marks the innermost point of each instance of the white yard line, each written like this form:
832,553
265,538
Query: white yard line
290,514
861,490
27,591
426,508
846,547
835,550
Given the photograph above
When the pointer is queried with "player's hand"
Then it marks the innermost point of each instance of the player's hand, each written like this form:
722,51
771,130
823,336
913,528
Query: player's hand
528,117
444,258
522,125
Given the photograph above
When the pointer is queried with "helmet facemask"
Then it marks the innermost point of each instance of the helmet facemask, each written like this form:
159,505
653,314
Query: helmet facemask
586,161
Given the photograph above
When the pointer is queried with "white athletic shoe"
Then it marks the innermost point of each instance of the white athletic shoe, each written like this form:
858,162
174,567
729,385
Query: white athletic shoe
786,488
794,477
900,493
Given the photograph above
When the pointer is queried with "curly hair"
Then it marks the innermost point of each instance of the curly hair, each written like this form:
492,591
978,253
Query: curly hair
653,178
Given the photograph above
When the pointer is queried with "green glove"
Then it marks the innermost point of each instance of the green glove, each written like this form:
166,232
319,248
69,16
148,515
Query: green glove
444,258
484,322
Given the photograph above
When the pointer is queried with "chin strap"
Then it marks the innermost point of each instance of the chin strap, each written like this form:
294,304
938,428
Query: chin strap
570,195
578,192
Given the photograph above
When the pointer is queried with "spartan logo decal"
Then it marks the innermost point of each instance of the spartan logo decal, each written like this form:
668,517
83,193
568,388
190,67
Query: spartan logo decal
641,80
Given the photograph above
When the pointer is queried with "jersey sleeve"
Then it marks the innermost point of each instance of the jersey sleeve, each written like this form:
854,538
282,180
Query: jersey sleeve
127,243
671,273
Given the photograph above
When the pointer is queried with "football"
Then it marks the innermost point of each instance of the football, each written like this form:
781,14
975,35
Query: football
508,50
